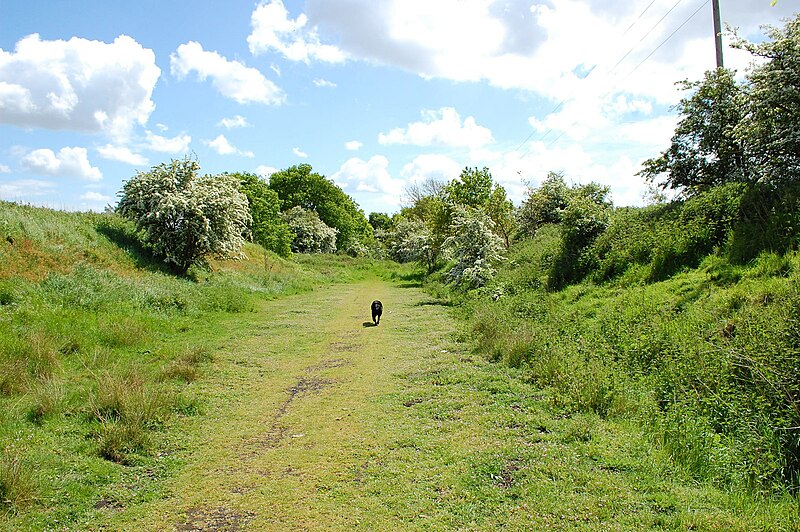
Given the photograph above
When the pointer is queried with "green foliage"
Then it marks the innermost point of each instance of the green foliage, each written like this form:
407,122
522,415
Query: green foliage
772,107
186,218
473,188
429,230
739,132
582,221
380,220
769,220
705,358
476,189
664,239
476,248
705,150
298,186
268,228
413,241
543,205
311,233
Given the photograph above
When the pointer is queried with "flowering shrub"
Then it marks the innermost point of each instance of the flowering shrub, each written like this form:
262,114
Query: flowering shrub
186,218
311,233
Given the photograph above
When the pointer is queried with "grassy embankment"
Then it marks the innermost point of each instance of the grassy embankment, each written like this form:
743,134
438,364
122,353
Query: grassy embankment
680,320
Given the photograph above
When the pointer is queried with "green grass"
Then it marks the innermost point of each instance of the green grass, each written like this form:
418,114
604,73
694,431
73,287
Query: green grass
254,395
705,360
101,350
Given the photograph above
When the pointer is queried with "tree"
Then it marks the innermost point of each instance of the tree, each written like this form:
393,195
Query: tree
417,192
475,188
299,186
476,247
431,213
770,128
413,241
380,220
501,210
311,233
583,220
544,205
472,188
186,218
705,150
268,228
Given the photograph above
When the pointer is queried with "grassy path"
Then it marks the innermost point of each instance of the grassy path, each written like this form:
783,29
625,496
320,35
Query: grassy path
318,421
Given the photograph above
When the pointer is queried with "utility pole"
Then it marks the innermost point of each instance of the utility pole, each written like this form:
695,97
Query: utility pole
717,31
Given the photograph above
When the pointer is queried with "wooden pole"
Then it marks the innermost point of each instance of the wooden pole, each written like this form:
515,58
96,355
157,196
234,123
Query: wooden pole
717,31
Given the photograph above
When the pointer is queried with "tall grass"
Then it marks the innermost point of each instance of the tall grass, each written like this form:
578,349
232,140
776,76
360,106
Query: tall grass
17,484
672,329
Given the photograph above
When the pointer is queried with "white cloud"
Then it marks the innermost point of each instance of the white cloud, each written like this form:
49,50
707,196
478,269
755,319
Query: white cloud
122,154
233,122
96,197
273,29
176,144
162,127
584,51
324,83
222,146
78,85
299,153
4,169
442,127
370,176
431,166
353,145
25,188
231,78
265,171
68,162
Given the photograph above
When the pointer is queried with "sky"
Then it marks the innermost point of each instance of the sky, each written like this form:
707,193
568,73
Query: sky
373,94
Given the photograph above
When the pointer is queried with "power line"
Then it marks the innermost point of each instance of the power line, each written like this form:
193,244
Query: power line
645,35
639,17
668,38
563,132
563,101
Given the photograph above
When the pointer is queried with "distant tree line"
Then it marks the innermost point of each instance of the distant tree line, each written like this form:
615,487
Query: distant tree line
186,218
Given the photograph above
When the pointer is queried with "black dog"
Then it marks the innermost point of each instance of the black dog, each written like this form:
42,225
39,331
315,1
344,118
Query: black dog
377,310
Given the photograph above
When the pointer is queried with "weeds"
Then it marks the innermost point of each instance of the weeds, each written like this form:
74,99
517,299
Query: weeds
709,354
48,400
127,409
185,365
17,484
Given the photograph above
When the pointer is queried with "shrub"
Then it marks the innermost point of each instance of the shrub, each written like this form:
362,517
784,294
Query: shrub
311,235
582,222
184,217
475,246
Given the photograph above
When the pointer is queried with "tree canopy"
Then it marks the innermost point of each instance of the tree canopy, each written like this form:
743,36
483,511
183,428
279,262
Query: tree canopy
299,186
184,217
268,228
733,131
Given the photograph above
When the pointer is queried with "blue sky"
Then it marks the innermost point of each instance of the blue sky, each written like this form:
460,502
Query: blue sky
374,94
